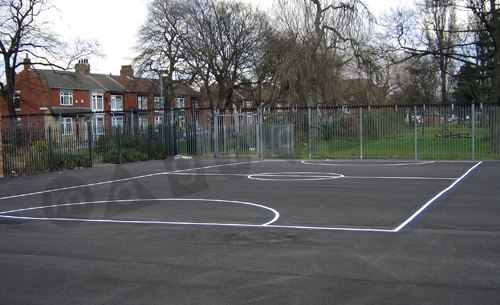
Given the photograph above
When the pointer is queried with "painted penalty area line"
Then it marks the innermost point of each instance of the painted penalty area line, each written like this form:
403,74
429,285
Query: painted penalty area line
433,199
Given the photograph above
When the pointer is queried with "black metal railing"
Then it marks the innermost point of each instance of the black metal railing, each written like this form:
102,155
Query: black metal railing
33,144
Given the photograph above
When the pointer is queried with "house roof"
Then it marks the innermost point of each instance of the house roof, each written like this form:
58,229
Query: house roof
139,85
108,83
78,81
67,80
186,90
111,83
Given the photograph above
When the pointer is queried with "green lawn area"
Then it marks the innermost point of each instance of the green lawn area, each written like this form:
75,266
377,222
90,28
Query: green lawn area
431,144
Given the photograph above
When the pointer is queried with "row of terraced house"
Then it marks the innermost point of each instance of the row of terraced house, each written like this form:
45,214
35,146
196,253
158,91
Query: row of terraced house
73,99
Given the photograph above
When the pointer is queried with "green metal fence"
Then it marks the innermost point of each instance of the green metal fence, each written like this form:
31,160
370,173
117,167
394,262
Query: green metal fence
49,143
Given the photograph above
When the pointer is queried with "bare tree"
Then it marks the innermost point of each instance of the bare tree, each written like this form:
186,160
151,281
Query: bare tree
429,30
24,31
441,31
160,44
487,15
324,39
223,37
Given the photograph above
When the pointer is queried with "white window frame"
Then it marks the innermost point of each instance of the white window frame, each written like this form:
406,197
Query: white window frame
98,124
158,119
158,102
66,126
142,102
117,121
66,97
179,103
143,122
117,103
97,100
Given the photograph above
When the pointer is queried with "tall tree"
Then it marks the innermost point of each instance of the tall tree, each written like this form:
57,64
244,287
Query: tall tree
430,30
487,16
160,44
223,36
440,24
324,39
24,30
419,83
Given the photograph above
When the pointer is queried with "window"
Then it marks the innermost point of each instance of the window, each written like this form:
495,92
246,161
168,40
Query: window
143,123
98,125
66,97
158,120
66,126
117,121
97,102
142,102
158,102
116,103
179,103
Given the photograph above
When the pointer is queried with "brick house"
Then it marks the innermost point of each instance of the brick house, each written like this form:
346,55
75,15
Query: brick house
71,100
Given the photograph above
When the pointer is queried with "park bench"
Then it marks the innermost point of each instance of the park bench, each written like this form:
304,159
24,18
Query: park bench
455,135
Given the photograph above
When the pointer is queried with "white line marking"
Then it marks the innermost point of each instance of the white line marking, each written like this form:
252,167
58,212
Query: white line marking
4,213
409,178
266,225
206,174
295,176
367,165
208,224
425,206
308,176
138,222
119,180
333,229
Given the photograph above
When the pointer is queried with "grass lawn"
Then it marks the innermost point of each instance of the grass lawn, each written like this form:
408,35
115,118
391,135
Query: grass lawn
430,145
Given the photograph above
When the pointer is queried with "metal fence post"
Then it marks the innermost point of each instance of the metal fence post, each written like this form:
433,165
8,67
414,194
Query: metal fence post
150,142
51,152
216,132
309,132
119,143
90,137
415,122
259,143
361,133
473,121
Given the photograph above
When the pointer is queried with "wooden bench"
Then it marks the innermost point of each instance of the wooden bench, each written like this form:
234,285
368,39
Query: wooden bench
464,134
445,134
454,135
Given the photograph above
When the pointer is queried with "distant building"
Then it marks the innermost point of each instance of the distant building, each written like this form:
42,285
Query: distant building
73,99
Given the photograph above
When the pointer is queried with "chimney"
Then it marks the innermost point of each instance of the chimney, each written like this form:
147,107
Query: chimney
83,66
127,71
27,63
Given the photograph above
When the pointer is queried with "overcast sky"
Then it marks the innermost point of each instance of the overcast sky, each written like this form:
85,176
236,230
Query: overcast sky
114,24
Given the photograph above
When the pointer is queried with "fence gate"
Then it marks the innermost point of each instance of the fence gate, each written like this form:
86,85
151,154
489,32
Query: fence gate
236,134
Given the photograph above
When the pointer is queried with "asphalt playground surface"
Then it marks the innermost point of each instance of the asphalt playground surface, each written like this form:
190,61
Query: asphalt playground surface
251,231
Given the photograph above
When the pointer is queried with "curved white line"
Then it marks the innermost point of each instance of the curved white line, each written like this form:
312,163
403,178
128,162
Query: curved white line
295,176
367,165
4,213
